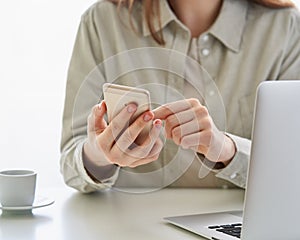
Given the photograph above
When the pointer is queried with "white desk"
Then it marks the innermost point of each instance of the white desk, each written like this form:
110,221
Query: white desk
112,215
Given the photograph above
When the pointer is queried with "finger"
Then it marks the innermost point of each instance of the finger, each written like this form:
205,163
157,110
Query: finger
127,138
96,122
178,119
168,109
153,155
112,131
184,130
157,147
121,120
144,161
181,118
126,160
201,120
145,148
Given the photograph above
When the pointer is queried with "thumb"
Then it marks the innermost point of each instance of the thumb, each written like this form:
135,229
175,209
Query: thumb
161,112
96,120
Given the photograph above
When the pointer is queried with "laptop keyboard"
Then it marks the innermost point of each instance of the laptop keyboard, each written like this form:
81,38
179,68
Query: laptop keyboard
230,229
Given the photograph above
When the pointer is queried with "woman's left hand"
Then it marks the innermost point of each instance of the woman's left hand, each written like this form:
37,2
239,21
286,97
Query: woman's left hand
189,125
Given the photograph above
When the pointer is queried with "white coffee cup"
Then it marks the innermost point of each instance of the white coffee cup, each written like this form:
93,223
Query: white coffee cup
17,187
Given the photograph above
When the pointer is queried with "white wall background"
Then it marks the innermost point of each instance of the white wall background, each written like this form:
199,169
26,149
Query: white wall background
36,40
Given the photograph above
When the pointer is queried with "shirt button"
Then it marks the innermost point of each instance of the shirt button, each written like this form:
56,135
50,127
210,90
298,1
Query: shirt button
205,38
205,52
211,93
234,175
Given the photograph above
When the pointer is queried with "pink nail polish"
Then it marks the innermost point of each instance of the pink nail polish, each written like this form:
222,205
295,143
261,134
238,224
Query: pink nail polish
157,123
147,118
131,108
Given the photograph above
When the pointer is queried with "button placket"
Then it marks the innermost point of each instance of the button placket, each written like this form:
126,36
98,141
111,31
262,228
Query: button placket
205,38
233,175
176,64
204,44
205,52
213,100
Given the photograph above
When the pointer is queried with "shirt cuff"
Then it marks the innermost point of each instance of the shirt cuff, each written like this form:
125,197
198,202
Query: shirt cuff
236,171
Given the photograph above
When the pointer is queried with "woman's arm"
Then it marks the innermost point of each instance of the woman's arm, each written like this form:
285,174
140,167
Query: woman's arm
86,56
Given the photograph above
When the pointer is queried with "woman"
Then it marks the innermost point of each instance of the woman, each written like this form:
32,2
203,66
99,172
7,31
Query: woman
239,43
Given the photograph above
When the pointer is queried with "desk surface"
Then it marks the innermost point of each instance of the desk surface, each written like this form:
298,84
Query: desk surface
112,215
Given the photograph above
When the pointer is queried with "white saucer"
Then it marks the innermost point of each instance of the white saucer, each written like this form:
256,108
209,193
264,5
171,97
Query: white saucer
39,202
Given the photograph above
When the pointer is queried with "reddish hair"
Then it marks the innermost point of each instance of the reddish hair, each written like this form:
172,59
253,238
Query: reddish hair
152,12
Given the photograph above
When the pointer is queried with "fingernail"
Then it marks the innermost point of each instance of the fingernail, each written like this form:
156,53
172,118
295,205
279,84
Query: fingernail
131,108
147,117
98,109
157,123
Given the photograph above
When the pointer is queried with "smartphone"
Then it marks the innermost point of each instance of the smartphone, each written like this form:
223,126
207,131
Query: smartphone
117,97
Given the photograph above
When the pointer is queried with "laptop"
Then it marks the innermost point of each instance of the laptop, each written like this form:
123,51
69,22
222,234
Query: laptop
272,197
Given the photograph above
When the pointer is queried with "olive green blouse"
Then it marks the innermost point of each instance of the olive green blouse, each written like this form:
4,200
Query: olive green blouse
247,44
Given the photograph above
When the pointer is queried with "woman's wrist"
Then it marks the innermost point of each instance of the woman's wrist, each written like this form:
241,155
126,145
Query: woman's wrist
228,151
96,166
89,155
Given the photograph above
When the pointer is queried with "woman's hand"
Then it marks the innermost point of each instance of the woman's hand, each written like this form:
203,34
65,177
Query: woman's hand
189,124
112,144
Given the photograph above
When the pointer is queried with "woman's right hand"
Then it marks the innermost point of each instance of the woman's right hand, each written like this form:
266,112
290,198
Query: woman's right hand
111,144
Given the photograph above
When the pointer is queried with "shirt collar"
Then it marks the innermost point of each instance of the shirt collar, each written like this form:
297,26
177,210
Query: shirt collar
167,16
230,24
228,27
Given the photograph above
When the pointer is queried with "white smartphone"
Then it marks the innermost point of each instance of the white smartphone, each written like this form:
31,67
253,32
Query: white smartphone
117,97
